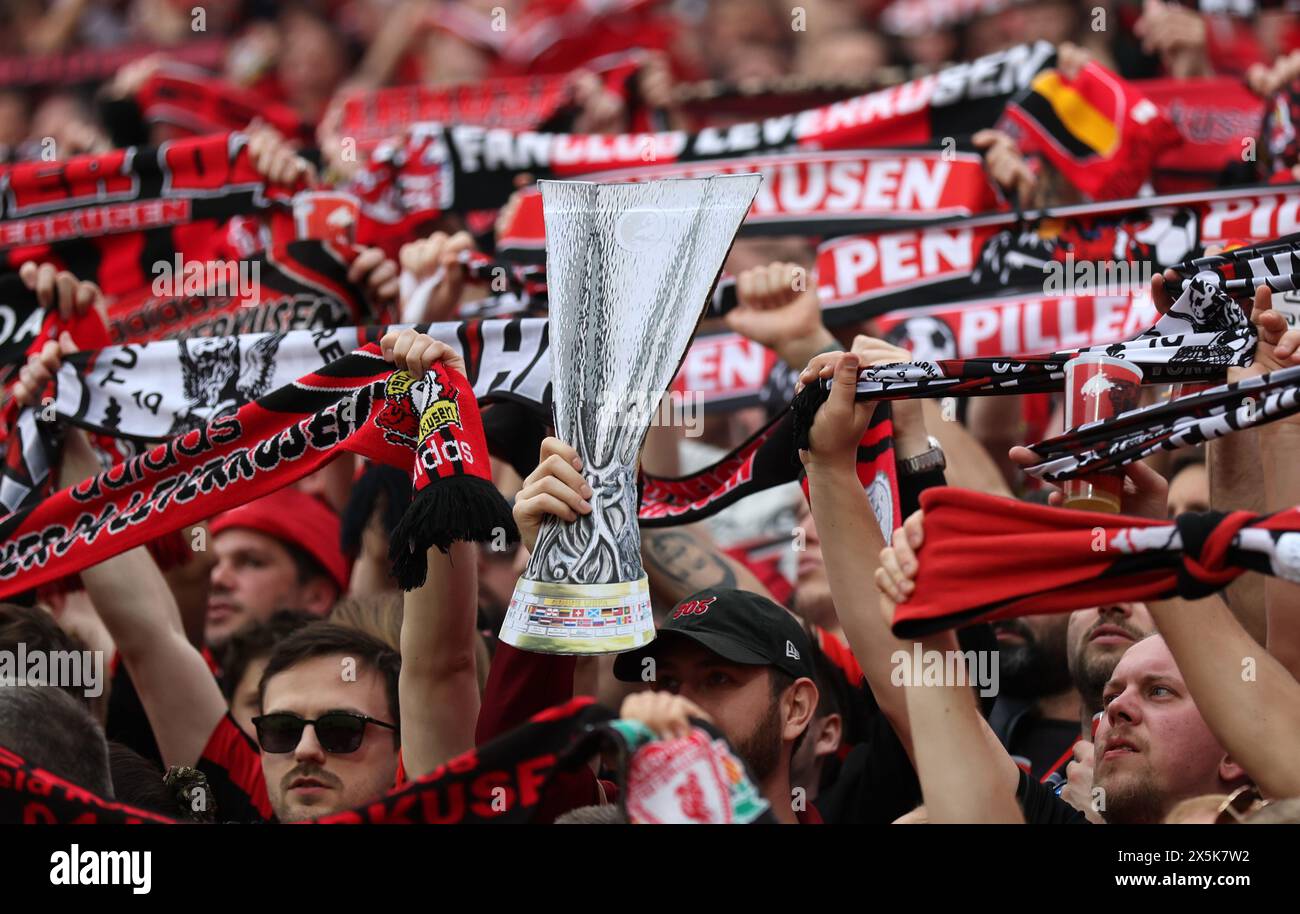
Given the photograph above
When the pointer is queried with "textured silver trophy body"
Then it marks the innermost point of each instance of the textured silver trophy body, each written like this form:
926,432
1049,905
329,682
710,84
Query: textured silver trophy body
629,268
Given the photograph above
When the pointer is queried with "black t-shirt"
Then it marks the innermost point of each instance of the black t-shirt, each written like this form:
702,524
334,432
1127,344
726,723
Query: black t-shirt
1042,806
1026,734
876,783
128,723
1045,743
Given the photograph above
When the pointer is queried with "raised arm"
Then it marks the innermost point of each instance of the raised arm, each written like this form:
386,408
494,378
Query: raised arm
1277,348
177,689
777,306
966,775
850,534
680,561
438,686
1232,463
178,692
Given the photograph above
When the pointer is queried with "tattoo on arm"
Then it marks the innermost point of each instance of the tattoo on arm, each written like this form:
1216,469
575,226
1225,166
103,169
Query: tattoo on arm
691,564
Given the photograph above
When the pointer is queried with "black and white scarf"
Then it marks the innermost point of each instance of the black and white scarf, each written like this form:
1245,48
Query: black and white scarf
1112,443
1202,335
131,394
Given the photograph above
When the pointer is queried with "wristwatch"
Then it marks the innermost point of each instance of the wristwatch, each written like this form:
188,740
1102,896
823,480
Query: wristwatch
928,461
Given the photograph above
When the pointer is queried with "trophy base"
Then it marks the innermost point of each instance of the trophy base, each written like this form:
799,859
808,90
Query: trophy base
548,618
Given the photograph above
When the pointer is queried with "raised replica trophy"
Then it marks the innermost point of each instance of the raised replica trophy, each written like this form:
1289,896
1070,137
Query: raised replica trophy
629,268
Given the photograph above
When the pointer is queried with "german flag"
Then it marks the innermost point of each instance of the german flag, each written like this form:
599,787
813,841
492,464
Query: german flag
1099,131
1074,117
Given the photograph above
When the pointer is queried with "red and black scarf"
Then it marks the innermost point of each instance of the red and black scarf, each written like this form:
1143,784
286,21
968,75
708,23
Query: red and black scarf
358,403
110,217
1203,334
1240,271
1184,422
510,103
817,193
262,406
297,285
95,65
1017,324
999,254
188,99
987,558
464,167
506,781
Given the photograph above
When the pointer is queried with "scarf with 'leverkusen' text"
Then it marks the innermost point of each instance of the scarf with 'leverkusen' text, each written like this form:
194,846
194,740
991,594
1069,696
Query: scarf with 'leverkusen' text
437,167
109,217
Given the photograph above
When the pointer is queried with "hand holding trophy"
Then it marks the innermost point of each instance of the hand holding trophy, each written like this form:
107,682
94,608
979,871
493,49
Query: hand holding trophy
629,271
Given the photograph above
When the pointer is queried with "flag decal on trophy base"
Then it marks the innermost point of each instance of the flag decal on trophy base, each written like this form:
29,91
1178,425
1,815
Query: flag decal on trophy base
629,272
579,618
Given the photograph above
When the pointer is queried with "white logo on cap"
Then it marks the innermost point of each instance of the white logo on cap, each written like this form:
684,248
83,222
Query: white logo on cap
790,650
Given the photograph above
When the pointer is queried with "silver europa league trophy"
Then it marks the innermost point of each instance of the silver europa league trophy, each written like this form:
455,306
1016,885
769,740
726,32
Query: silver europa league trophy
629,269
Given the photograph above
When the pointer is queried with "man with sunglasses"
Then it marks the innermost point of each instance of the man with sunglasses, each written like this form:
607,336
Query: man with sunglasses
436,689
337,705
329,727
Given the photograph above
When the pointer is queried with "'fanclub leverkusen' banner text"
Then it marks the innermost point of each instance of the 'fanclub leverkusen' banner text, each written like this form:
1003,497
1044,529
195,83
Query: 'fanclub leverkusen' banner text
1064,250
819,193
468,167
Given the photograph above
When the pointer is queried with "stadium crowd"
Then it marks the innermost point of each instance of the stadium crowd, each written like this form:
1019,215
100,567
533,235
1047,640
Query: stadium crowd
266,664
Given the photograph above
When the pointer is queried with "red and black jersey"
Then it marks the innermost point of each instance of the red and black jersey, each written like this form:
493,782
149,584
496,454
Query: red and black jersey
233,765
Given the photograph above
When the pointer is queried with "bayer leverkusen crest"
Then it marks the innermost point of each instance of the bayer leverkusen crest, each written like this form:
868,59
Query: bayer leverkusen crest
414,409
441,413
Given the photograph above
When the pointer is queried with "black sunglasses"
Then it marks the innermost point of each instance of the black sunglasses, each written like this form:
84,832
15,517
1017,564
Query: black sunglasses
338,732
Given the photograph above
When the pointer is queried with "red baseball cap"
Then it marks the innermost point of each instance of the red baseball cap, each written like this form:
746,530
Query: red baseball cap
293,516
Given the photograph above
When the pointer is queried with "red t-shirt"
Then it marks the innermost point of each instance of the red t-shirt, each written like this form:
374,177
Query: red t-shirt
521,684
233,766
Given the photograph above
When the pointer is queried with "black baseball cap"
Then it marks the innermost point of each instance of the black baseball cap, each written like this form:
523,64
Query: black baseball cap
736,625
